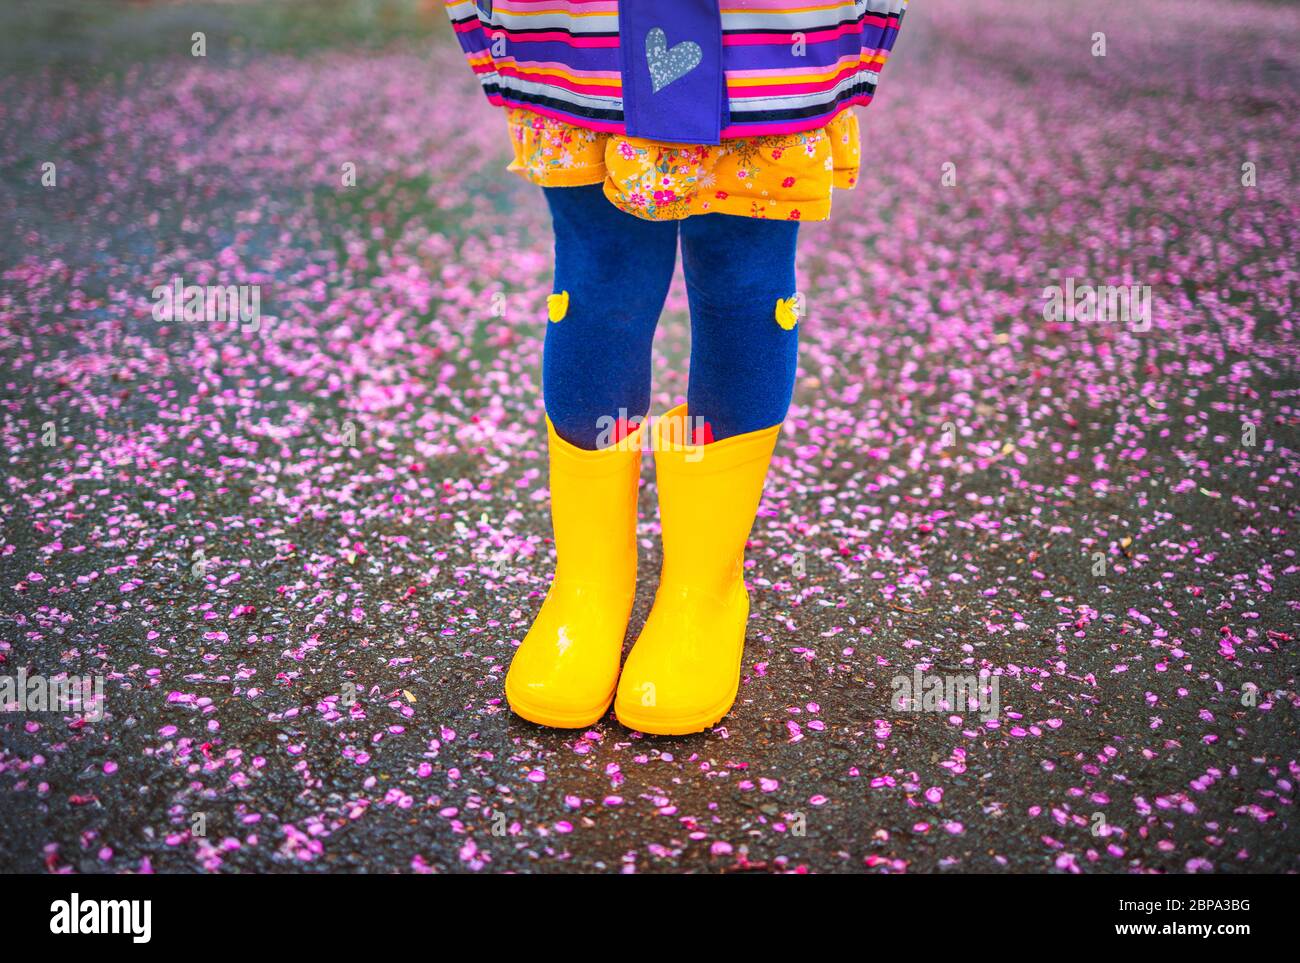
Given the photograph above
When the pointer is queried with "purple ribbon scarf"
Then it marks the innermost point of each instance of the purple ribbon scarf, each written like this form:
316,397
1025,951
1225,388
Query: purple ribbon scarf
674,88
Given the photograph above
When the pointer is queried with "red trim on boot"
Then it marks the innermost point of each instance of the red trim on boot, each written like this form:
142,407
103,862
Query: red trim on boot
622,429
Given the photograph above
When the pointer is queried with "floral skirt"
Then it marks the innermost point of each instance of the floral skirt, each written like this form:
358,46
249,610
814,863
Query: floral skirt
782,176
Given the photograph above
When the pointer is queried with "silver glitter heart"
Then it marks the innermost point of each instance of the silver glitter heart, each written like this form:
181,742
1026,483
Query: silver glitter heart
667,65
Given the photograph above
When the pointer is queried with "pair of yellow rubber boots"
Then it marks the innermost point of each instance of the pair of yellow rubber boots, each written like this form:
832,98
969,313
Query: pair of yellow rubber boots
684,670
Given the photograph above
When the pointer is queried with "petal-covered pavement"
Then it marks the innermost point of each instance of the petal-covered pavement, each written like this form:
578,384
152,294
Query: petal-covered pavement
297,548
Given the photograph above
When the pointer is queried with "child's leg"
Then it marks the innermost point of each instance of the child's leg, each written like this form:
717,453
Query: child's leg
743,347
683,673
616,269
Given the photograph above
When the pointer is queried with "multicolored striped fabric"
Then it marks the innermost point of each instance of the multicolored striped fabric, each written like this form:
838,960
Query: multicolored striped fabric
789,66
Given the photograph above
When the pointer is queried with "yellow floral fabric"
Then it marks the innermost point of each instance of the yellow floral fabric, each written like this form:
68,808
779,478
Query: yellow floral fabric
781,176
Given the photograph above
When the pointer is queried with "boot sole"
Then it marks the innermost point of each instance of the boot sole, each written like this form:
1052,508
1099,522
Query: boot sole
686,725
553,718
681,726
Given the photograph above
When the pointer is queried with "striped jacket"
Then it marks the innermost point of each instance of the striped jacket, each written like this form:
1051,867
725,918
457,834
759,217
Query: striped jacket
687,71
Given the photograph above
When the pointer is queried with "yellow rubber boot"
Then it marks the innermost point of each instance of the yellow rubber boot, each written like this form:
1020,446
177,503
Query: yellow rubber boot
683,672
564,672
